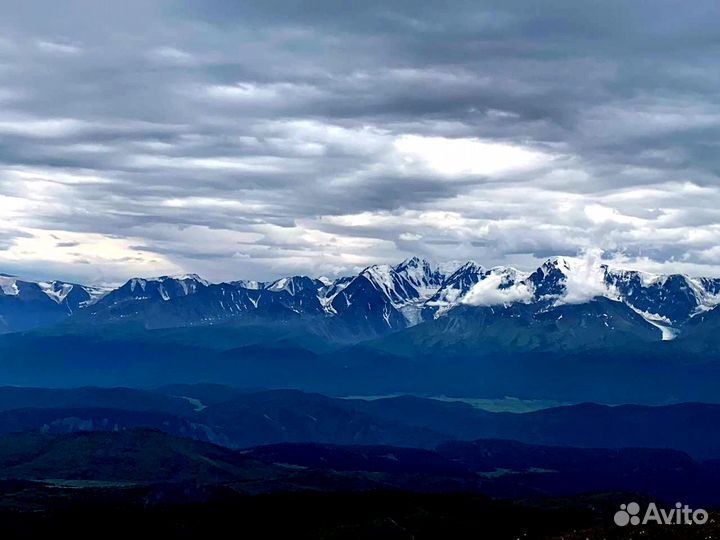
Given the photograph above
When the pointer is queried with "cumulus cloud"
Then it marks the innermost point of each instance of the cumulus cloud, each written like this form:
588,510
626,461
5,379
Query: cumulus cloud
488,292
585,278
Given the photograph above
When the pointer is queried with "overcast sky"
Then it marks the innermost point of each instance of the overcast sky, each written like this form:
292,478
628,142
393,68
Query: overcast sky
259,139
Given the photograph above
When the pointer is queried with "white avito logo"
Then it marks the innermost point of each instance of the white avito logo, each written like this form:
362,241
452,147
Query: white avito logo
629,514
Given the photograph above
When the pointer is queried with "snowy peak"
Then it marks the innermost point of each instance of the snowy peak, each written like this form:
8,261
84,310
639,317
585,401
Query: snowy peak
470,267
412,262
661,299
456,286
163,287
379,299
57,290
295,285
370,303
507,277
409,282
406,288
384,296
669,299
249,284
422,275
68,295
188,278
551,277
418,272
394,285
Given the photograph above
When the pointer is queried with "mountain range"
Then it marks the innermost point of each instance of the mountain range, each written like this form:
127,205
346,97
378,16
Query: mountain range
143,479
178,441
238,418
380,300
569,331
143,457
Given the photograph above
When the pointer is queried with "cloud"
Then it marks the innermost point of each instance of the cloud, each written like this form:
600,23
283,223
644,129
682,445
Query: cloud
172,56
41,128
340,135
56,48
466,157
585,278
488,292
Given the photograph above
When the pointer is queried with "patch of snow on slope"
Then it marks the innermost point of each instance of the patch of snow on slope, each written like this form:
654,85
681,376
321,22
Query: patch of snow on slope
191,277
327,294
658,321
250,284
56,290
707,300
279,285
381,276
418,272
96,293
9,285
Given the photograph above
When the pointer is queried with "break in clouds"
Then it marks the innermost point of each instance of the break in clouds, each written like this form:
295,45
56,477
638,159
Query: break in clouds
257,139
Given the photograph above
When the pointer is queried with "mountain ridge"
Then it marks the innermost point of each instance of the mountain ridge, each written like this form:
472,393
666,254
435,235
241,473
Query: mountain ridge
378,300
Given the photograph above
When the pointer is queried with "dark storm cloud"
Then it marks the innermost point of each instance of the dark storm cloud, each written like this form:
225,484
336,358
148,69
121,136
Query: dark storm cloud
249,139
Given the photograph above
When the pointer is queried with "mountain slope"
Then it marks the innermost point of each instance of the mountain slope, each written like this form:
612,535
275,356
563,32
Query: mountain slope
27,304
244,418
137,456
525,327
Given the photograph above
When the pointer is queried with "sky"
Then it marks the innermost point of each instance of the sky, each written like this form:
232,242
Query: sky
261,139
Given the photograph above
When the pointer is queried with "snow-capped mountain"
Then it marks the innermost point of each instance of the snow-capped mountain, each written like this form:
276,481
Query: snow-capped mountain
384,297
296,285
249,284
421,275
371,300
378,300
61,292
189,300
532,327
550,279
456,288
669,300
28,304
162,289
